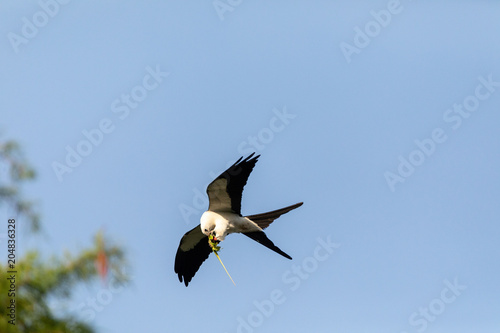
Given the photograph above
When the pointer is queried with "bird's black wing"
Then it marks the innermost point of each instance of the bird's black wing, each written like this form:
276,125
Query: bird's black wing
260,237
224,193
192,252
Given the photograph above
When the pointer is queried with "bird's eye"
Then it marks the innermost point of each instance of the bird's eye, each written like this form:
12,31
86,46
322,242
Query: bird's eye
206,230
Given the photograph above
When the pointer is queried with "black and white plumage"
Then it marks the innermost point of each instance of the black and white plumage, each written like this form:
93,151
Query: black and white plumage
222,218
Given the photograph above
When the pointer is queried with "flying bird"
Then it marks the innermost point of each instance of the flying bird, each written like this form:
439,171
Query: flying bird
222,218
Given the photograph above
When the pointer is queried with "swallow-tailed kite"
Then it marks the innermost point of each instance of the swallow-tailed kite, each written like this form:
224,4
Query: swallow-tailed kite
222,218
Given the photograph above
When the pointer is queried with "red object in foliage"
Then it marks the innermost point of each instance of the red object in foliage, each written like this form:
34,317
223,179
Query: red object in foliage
102,265
101,262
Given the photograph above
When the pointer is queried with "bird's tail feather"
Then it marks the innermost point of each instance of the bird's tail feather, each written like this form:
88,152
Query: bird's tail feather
265,219
260,237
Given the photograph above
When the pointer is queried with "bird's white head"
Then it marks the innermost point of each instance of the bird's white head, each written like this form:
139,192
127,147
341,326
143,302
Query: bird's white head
207,224
212,224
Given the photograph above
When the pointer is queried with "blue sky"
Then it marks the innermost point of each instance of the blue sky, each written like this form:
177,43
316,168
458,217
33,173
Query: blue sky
381,116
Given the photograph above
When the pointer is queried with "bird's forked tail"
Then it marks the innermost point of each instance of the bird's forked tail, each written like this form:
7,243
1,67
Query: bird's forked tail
263,221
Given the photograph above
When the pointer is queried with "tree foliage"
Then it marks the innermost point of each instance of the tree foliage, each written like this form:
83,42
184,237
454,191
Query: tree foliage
44,286
15,171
